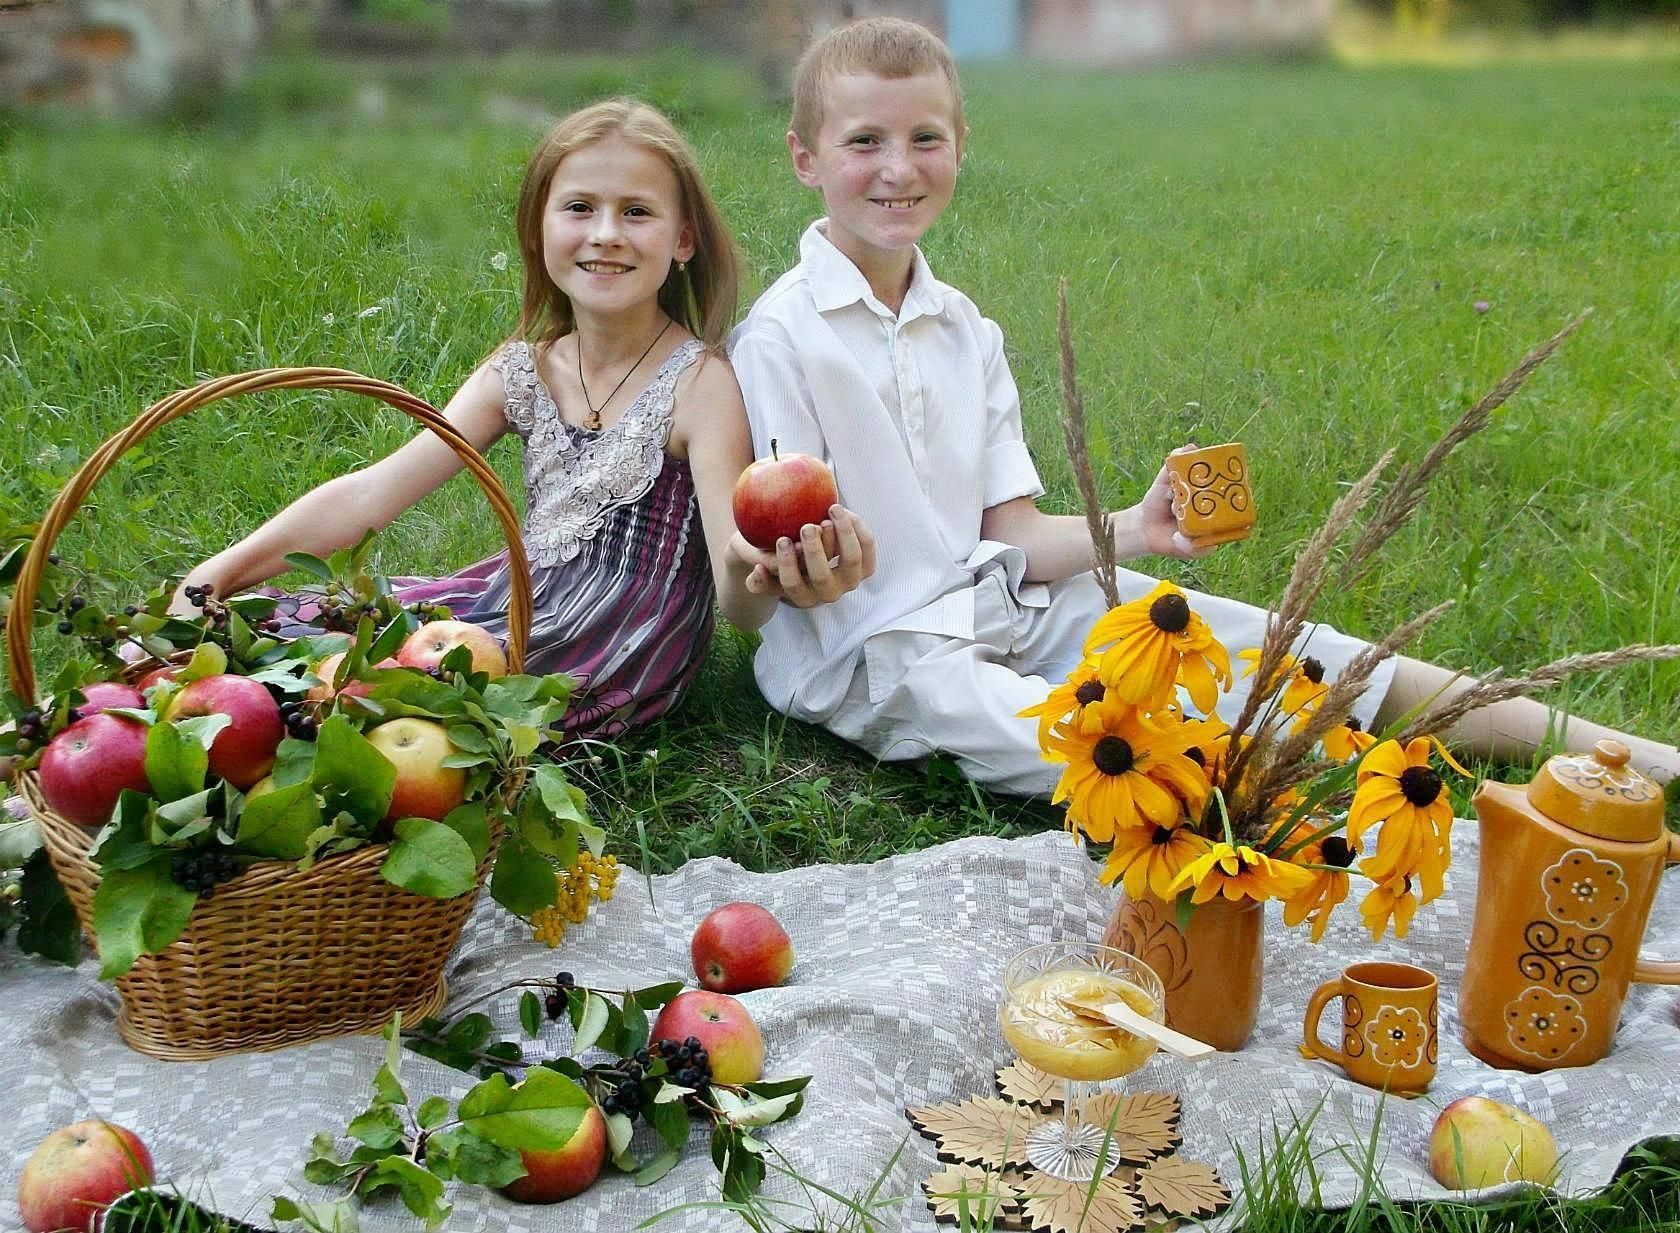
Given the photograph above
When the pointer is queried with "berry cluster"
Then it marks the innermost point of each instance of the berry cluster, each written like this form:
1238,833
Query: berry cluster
339,617
31,730
590,878
202,871
300,721
555,1003
687,1063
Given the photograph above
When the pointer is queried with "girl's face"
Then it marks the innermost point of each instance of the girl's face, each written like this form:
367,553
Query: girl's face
612,226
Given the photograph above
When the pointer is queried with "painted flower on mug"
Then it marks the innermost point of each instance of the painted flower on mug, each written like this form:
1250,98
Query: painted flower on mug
1544,1024
1397,1036
1583,890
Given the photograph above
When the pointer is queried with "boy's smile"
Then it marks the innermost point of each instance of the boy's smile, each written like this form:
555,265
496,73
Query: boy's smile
885,161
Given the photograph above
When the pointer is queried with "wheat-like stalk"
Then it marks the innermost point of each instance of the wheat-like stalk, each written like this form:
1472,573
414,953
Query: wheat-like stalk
1079,454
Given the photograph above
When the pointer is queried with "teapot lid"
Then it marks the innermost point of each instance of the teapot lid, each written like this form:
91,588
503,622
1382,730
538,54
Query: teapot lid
1599,793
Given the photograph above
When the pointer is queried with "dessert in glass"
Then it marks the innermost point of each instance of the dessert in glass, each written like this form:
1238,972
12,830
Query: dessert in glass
1050,1016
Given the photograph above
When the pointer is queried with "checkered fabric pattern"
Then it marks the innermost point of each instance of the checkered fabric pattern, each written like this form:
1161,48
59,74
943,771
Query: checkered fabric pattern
892,1002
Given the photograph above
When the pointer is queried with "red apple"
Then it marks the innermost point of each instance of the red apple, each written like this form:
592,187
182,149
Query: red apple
426,647
243,752
76,1172
425,788
778,495
88,764
102,694
740,947
566,1170
1480,1142
327,669
734,1045
165,673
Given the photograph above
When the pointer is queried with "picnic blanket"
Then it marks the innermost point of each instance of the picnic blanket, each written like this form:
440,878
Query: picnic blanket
892,1002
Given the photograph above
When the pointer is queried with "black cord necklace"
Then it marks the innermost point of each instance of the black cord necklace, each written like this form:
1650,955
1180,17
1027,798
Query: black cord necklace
592,421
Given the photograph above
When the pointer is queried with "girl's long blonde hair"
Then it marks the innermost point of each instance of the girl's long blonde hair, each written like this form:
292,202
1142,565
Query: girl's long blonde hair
703,298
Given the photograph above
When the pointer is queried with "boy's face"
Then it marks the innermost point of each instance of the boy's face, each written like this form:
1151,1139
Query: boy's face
885,162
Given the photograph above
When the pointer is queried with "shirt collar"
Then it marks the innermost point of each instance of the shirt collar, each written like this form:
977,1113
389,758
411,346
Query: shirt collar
836,283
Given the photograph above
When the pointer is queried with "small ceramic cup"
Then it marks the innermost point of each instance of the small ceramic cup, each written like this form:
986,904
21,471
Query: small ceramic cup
1212,499
1388,1026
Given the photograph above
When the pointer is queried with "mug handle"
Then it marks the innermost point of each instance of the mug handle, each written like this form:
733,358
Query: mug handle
1315,1007
1650,971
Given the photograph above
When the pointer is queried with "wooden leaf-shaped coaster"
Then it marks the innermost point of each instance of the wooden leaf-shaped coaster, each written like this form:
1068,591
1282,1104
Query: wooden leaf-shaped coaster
981,1130
1145,1123
1183,1188
1026,1083
969,1195
1054,1206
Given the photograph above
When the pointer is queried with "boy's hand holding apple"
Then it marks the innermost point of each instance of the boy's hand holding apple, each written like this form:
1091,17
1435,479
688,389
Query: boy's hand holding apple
803,546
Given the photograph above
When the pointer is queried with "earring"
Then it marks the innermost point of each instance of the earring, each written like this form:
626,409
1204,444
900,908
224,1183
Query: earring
682,267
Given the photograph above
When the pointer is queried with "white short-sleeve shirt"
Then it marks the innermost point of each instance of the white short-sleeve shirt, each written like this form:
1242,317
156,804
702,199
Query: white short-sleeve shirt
918,415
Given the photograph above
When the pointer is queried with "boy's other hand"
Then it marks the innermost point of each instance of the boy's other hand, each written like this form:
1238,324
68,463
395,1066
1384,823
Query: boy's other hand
1157,525
826,562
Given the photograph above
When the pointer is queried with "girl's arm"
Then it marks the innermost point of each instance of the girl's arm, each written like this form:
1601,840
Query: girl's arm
711,430
1059,545
336,514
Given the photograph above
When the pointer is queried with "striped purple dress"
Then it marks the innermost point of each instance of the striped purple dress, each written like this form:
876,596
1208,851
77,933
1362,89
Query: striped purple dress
621,579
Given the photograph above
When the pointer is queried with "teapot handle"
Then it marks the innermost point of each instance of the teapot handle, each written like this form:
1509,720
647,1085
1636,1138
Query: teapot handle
1652,972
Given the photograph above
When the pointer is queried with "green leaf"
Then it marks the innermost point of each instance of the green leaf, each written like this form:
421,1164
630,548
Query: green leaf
176,759
620,1130
557,840
469,738
181,820
463,1155
327,1172
137,911
429,858
333,1216
278,823
434,1112
20,839
421,1189
469,1035
634,1034
390,639
208,659
49,927
653,996
595,1013
522,881
540,1114
524,737
294,762
658,1167
752,1110
531,1013
565,803
309,563
670,1119
470,823
126,841
350,772
379,1126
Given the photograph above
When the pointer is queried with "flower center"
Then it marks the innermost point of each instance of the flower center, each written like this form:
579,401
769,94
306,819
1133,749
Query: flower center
1170,614
1353,724
1112,756
1313,670
1337,851
1197,756
1162,835
1089,692
1420,785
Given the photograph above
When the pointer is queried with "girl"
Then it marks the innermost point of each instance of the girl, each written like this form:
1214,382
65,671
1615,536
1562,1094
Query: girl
633,427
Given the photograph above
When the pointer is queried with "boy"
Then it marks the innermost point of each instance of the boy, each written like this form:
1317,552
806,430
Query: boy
859,355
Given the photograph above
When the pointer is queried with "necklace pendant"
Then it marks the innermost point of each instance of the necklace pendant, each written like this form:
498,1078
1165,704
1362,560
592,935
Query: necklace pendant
592,421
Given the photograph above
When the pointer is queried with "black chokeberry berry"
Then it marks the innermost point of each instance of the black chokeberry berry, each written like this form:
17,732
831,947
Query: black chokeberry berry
565,980
77,603
555,1005
65,627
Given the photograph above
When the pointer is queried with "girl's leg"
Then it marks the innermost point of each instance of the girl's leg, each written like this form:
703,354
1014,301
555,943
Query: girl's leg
1514,730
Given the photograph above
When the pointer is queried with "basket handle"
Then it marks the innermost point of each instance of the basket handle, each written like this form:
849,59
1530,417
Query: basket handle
20,667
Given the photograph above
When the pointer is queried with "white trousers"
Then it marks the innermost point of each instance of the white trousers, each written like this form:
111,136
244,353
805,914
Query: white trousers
963,698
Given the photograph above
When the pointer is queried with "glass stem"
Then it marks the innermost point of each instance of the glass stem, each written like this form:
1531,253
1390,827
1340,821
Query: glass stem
1075,1093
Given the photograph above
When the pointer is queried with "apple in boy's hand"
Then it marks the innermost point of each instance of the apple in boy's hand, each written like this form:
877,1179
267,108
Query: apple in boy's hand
243,752
76,1172
88,764
425,647
564,1171
734,1045
1481,1142
740,947
778,495
425,788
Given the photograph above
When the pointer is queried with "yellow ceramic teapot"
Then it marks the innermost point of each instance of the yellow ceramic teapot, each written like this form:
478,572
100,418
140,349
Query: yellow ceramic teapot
1570,868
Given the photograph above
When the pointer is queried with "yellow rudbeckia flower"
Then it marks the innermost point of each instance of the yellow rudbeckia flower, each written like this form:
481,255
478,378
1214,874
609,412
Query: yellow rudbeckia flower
1082,700
1329,886
1389,901
1398,788
1240,873
1347,741
1152,645
1149,858
1130,773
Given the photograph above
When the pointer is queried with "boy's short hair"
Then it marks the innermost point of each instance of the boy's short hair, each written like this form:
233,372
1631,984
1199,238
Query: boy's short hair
884,46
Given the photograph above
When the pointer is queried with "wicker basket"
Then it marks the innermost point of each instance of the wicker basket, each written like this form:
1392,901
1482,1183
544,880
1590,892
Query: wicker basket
276,957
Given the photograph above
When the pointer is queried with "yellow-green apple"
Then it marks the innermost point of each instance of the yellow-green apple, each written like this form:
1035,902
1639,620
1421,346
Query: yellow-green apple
564,1171
103,694
88,764
734,1045
778,495
425,788
740,947
426,647
327,669
243,752
1478,1141
76,1172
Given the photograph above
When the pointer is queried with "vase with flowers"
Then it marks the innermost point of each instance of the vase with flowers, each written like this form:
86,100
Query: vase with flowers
1206,821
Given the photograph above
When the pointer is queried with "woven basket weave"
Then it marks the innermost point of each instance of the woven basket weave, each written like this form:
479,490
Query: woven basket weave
276,956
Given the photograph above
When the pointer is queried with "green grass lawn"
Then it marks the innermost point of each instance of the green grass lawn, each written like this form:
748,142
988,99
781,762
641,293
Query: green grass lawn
1286,254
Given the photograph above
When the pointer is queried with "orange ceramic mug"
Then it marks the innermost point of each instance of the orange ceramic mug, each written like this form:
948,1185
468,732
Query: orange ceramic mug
1388,1026
1212,498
